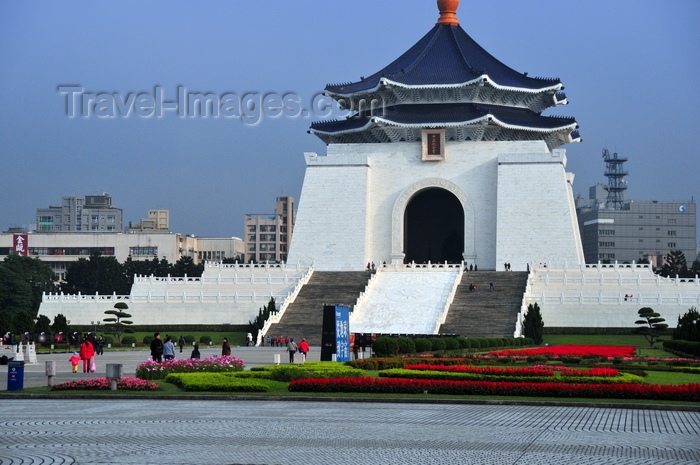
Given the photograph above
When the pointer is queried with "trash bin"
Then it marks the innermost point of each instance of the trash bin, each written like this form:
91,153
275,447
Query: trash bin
15,375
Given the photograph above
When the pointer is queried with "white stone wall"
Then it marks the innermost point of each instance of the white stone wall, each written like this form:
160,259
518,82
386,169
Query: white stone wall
607,296
353,202
225,294
536,214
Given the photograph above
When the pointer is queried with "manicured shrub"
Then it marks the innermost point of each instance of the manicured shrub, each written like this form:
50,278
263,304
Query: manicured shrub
474,344
147,340
451,343
189,339
406,345
422,345
537,359
205,340
109,340
463,342
128,340
438,343
386,346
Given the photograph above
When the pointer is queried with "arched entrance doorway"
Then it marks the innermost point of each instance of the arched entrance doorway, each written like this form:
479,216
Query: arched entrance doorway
433,227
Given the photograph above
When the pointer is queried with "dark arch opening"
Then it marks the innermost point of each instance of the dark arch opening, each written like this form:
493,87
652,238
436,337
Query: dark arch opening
434,228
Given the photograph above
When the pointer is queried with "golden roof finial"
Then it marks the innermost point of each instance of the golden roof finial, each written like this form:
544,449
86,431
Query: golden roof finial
448,12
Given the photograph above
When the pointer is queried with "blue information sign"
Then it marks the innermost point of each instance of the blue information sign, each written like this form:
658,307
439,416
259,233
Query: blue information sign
342,333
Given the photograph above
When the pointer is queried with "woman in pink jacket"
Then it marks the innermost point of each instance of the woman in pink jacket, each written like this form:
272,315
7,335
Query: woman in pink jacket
87,351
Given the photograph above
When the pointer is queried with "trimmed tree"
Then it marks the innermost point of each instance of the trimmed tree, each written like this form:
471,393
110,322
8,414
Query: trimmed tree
115,323
652,326
533,326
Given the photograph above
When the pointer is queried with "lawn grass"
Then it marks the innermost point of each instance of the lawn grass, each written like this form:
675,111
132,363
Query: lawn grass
635,340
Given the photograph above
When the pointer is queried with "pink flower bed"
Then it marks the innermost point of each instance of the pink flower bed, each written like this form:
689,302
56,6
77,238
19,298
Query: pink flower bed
103,384
217,364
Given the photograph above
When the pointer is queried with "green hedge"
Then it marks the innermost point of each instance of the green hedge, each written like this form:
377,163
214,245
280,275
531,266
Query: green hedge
684,347
220,382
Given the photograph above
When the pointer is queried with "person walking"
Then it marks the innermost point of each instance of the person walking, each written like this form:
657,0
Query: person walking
100,345
303,348
292,349
87,351
74,361
157,348
168,348
181,343
225,347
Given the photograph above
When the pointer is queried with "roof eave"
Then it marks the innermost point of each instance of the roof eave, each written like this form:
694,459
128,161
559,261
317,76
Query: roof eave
484,79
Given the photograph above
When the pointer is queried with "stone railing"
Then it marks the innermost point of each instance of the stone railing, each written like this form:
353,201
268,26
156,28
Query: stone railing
165,297
422,266
448,301
288,300
298,266
601,298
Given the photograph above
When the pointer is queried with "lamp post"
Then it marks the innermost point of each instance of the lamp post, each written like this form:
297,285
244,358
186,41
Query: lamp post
95,324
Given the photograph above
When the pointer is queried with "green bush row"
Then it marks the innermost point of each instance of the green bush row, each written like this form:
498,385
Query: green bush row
386,346
426,374
219,382
189,339
287,373
685,347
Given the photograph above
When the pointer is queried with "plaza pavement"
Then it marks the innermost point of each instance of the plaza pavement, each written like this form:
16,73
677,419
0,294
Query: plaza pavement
34,374
151,431
312,431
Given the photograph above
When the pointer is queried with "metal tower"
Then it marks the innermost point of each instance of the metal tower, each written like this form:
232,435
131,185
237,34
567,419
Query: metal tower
617,185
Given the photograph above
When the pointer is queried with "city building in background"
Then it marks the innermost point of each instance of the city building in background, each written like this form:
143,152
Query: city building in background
158,220
91,213
614,228
267,236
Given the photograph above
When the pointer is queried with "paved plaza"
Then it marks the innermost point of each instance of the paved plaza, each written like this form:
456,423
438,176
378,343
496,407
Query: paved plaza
35,373
45,431
269,431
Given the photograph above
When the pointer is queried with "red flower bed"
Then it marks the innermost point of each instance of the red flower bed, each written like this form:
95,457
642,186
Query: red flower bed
539,370
687,392
523,371
573,351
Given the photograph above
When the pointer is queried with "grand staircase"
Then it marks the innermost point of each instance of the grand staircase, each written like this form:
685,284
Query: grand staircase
481,313
304,316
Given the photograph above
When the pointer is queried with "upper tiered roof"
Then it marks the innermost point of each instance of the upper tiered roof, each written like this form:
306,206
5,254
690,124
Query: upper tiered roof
448,67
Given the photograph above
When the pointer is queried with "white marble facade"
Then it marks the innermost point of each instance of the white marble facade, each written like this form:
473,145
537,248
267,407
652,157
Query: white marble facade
516,196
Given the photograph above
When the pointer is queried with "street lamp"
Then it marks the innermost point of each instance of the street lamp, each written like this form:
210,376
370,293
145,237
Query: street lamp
95,324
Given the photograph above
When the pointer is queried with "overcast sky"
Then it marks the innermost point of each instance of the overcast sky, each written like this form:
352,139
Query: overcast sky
630,69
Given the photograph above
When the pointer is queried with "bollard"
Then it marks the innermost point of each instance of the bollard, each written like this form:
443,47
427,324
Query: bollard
277,359
50,371
114,372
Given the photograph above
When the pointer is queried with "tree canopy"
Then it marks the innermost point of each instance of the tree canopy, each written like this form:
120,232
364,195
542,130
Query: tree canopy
116,323
651,325
533,325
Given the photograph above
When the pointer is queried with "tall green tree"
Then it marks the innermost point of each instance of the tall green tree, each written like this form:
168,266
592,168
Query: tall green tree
23,280
60,325
257,324
116,323
675,265
98,274
688,327
42,325
533,325
186,266
651,325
